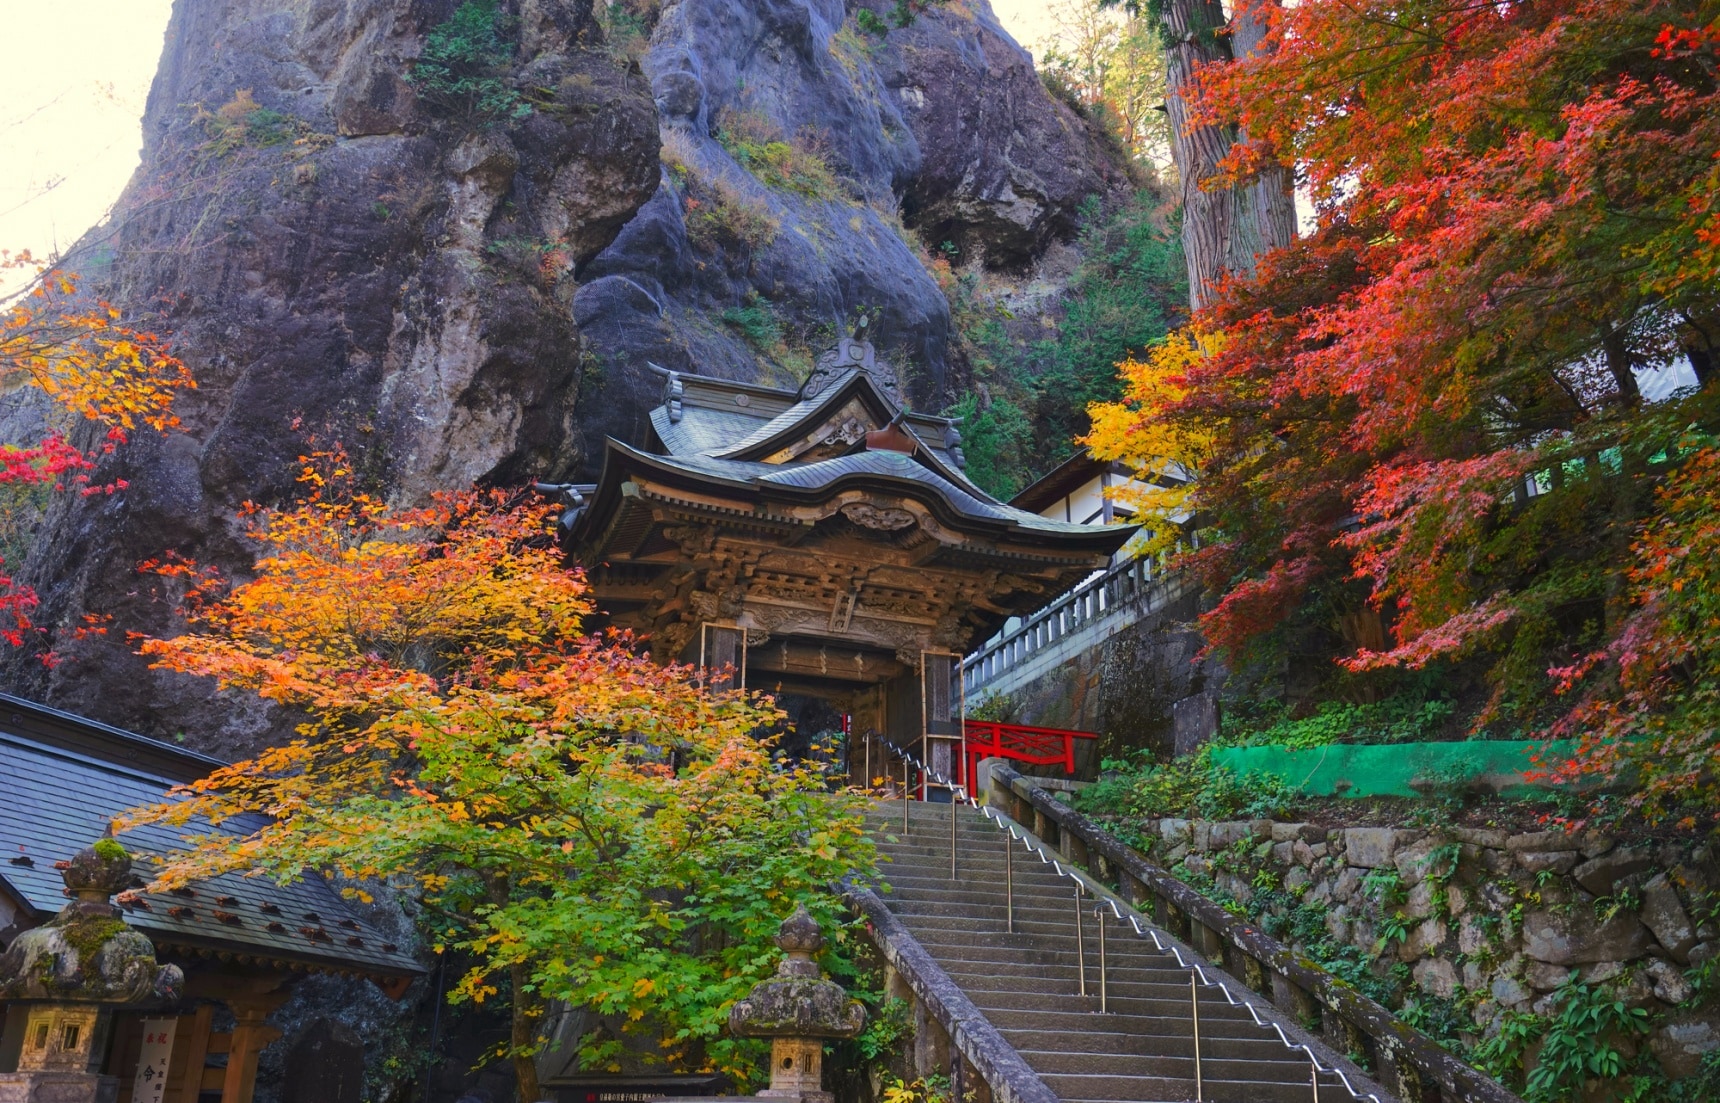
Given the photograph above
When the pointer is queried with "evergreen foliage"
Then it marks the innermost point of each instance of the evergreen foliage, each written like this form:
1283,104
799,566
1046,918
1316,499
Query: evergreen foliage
1125,295
462,69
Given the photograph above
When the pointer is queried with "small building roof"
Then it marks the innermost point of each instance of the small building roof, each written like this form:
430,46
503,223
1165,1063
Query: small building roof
1064,479
67,777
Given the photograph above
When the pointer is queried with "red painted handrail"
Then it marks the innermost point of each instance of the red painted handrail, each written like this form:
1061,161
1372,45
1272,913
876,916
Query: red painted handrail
1019,743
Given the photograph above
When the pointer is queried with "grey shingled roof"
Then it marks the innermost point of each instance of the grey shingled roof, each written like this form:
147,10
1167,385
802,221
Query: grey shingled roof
701,430
58,800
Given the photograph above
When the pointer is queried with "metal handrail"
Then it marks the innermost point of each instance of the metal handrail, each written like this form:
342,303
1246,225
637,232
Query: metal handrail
1421,1067
1084,883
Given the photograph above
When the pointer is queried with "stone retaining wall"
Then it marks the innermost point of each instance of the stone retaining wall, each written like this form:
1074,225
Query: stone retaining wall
1493,919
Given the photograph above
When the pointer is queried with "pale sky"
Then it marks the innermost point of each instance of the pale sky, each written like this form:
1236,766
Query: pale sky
72,93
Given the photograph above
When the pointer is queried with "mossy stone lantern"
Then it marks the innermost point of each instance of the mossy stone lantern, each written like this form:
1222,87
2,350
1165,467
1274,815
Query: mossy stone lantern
72,973
797,1010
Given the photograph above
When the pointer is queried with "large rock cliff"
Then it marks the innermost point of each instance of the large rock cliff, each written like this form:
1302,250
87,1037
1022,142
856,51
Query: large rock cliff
459,296
937,133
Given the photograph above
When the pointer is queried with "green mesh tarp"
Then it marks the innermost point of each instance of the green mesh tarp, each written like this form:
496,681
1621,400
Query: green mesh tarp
1400,769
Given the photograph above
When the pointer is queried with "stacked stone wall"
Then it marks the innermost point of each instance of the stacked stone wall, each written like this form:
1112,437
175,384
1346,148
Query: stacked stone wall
1489,920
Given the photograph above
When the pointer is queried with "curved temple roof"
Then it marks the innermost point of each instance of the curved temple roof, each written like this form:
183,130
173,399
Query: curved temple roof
738,433
834,528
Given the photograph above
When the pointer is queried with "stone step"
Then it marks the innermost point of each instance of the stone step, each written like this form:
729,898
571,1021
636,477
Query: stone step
1212,1067
1170,1009
1065,988
916,902
1045,951
1214,1026
1039,922
1103,1037
1039,881
1137,1089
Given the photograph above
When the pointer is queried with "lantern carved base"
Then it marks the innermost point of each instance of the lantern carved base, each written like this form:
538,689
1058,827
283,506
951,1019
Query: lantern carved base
54,1086
797,1071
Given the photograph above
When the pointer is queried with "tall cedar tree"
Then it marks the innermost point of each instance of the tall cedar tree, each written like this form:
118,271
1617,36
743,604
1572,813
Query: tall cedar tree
1435,404
578,823
1231,216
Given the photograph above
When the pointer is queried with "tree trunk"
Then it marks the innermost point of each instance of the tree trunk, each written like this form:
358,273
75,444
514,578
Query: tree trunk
1224,230
528,1009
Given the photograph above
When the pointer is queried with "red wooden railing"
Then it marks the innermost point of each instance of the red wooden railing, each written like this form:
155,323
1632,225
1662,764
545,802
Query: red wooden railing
1019,743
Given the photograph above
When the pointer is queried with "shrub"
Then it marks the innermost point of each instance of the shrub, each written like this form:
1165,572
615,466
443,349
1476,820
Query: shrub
1190,786
242,122
760,147
902,14
461,70
756,321
718,215
1405,717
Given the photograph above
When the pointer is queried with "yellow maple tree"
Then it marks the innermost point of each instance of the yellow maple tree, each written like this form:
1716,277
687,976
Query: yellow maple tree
1164,454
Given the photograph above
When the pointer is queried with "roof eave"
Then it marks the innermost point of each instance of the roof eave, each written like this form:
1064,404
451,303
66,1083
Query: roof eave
620,458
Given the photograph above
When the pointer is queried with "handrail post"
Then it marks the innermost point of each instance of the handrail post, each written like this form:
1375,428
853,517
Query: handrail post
1314,1078
1104,984
952,832
1008,881
1194,1013
1080,941
904,795
868,740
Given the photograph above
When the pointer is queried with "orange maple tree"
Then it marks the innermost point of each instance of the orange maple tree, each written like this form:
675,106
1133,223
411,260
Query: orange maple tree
79,352
578,822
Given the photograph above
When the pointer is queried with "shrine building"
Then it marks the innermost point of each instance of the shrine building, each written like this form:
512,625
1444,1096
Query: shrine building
821,541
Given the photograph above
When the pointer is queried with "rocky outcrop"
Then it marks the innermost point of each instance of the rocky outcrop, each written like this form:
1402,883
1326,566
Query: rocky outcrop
338,261
939,132
345,256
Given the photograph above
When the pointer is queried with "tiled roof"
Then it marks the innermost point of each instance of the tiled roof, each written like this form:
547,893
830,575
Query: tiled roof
701,430
58,800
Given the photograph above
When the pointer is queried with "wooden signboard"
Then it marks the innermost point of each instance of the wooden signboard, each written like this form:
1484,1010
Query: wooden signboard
150,1084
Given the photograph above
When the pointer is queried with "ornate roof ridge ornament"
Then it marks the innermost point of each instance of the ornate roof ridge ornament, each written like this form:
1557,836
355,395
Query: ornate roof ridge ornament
854,352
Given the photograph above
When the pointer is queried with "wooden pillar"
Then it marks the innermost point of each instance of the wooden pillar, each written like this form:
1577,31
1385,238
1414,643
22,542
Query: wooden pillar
251,997
190,1049
250,1035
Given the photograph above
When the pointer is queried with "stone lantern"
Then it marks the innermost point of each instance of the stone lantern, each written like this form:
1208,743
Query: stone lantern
70,975
797,1010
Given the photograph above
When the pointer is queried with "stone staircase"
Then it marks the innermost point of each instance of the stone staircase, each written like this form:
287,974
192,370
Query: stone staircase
1141,1049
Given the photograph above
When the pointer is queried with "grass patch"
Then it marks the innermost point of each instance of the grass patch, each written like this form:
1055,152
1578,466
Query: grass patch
761,148
720,216
243,123
757,322
717,214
